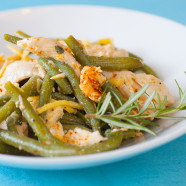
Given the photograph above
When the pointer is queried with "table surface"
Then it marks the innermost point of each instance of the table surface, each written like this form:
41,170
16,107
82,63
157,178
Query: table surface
165,165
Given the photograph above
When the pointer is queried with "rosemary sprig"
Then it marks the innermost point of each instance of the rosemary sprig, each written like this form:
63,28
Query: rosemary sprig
122,117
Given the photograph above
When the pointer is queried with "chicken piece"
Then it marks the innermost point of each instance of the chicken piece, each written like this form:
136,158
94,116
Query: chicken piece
48,48
34,101
22,129
18,71
52,122
3,125
81,137
134,82
156,84
103,50
91,81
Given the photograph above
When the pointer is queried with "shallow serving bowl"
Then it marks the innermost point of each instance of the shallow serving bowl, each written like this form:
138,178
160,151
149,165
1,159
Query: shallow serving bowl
160,42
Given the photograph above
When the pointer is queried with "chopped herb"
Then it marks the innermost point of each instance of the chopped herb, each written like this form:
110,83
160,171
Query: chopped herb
59,49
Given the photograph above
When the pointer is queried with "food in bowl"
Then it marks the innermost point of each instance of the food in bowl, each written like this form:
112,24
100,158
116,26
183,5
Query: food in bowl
71,97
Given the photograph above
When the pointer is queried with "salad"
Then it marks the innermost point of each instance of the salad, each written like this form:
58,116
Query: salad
62,97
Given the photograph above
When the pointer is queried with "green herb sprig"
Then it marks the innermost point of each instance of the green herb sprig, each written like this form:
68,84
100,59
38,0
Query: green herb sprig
122,117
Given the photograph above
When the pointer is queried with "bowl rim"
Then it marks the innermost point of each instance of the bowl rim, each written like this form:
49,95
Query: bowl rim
90,159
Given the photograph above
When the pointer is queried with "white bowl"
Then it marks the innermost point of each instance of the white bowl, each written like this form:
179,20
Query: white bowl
160,42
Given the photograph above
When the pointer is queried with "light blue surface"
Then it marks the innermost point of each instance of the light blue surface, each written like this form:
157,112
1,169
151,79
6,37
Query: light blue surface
165,165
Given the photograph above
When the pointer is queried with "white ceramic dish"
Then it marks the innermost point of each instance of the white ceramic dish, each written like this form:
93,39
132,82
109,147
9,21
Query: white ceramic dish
160,42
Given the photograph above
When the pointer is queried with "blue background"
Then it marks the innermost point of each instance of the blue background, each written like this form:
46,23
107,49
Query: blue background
165,165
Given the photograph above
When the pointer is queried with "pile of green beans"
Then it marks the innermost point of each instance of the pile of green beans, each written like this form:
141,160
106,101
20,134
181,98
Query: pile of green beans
84,60
88,105
15,107
50,145
52,70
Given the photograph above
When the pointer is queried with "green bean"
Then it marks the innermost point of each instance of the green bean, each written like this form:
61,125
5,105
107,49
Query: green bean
19,113
77,50
31,86
6,110
52,70
12,120
22,34
70,122
114,140
52,150
46,90
73,121
70,119
126,134
117,63
111,88
31,116
60,96
134,56
12,39
4,99
85,120
7,149
129,134
88,105
145,68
